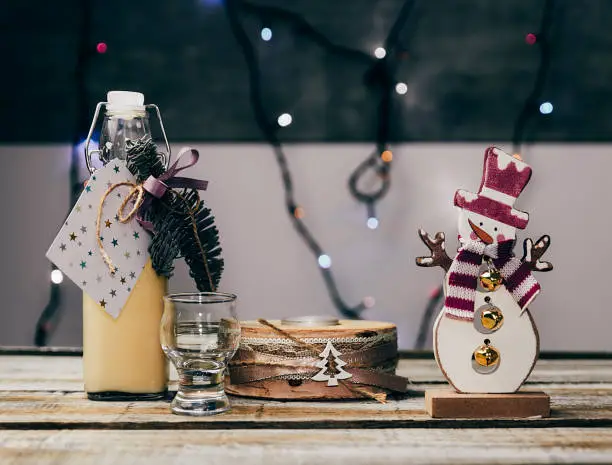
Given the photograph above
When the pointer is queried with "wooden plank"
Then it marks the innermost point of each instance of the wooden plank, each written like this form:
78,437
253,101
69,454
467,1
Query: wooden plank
404,354
59,373
29,350
38,373
355,447
46,392
446,403
588,405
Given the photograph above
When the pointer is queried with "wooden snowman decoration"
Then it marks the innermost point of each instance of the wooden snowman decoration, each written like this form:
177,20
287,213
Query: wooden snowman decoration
485,340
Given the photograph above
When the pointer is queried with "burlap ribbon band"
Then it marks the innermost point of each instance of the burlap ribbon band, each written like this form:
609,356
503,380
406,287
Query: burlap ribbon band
250,365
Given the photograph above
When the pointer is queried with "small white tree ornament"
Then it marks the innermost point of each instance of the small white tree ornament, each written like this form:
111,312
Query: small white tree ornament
331,366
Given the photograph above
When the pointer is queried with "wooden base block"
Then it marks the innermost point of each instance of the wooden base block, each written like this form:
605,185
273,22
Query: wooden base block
451,404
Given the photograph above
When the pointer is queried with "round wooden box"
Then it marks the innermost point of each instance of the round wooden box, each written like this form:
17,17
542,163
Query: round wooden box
263,348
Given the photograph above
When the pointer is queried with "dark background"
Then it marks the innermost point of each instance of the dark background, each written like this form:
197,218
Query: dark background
465,62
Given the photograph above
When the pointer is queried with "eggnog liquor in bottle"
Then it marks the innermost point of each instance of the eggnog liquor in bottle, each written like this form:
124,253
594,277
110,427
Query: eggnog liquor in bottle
122,357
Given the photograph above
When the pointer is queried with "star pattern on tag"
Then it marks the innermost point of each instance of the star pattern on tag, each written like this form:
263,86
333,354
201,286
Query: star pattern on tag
75,250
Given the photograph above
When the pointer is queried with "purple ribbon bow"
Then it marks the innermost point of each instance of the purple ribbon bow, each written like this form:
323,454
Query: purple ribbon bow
157,187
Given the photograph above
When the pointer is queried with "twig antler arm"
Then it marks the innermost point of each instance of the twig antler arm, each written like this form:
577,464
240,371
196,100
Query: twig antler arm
438,253
533,253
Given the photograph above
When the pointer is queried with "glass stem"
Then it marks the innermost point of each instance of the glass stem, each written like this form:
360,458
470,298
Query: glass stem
200,390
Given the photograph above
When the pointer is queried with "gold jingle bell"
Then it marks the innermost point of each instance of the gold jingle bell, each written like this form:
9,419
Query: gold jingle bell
486,356
491,318
491,279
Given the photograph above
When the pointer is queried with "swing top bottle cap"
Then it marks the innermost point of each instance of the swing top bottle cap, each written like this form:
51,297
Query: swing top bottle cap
120,101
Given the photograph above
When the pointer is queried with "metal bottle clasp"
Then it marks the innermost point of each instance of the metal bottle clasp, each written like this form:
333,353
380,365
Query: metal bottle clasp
89,153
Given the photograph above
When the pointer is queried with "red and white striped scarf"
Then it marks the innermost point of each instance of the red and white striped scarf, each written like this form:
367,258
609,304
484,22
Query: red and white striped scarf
464,272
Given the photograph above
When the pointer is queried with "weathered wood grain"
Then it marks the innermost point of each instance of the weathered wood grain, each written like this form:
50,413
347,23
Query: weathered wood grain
46,419
46,393
59,373
355,447
586,405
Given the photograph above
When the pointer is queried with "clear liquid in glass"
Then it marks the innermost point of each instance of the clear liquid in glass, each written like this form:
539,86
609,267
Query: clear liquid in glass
202,349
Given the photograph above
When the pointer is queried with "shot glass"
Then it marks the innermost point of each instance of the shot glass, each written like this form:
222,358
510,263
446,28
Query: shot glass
200,333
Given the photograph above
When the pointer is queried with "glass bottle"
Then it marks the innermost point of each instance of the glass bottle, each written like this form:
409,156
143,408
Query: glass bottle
122,357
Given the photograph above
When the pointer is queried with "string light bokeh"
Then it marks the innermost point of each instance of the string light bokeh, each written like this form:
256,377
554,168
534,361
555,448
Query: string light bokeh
380,53
379,71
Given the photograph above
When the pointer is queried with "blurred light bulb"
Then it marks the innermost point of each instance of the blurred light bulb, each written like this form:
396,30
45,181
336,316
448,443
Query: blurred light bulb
299,213
546,108
369,301
380,53
372,222
57,276
531,38
324,261
401,88
435,292
266,34
386,156
284,120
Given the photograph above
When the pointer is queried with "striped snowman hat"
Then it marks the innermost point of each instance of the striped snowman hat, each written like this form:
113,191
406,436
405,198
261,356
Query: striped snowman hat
503,179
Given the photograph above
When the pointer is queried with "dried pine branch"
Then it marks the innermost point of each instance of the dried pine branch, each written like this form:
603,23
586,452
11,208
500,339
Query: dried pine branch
183,226
143,159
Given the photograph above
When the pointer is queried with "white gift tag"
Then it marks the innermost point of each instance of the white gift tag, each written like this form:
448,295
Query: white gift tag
75,250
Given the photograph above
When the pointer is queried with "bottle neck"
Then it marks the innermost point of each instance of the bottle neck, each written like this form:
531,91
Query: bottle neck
119,128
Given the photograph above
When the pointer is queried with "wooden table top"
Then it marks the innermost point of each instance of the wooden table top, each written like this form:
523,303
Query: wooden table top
46,419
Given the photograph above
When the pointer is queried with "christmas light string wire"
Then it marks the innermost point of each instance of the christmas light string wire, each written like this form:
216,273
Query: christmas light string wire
379,72
529,110
381,159
49,317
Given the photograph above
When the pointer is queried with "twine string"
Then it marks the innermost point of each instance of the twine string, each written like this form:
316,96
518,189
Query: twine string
138,191
285,334
137,195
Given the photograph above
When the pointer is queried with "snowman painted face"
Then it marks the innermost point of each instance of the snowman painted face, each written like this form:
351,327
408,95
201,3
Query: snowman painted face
486,229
